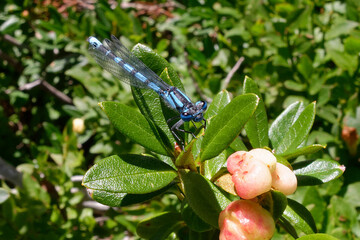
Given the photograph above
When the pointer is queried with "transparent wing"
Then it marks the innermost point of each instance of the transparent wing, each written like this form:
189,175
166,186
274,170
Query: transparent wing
115,69
121,51
112,67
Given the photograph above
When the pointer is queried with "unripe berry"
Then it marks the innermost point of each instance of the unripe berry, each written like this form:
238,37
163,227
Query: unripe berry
265,156
284,180
251,177
244,219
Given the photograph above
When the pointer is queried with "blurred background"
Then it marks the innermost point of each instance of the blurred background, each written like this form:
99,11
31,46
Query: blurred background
52,130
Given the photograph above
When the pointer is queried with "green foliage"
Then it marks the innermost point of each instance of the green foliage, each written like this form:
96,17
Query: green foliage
301,72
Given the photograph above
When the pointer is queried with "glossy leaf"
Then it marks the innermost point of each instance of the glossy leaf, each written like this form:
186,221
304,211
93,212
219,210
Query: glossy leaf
206,200
227,125
303,151
257,126
115,199
297,127
318,236
133,174
193,221
151,106
299,217
219,102
316,172
159,226
284,121
135,126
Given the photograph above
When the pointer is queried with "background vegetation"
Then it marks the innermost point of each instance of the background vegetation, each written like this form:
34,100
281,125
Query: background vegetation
294,50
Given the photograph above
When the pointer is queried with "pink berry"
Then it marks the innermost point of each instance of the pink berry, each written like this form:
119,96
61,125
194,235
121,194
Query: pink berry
250,176
234,161
265,156
244,219
284,180
252,179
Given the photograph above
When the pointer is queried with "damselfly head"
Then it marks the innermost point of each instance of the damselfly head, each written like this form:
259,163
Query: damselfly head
194,112
94,42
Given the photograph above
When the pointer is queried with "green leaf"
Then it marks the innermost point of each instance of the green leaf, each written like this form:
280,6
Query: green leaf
299,217
303,151
352,45
257,126
115,199
279,204
135,126
206,200
133,174
318,236
218,103
316,172
159,226
193,221
340,27
284,121
292,127
152,107
305,67
343,60
227,125
212,166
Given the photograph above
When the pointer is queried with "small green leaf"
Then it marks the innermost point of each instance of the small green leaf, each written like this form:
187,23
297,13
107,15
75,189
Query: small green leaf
317,236
206,200
186,158
296,131
303,151
135,126
299,217
305,66
227,125
257,126
159,226
218,103
133,174
115,199
316,172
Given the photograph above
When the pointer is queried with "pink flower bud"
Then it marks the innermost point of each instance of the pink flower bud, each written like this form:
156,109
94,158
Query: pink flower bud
244,219
284,180
250,176
265,156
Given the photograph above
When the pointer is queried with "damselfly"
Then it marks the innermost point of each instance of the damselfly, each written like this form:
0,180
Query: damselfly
119,61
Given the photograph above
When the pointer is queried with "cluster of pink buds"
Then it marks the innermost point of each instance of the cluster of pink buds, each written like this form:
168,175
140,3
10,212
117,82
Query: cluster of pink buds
253,173
257,171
